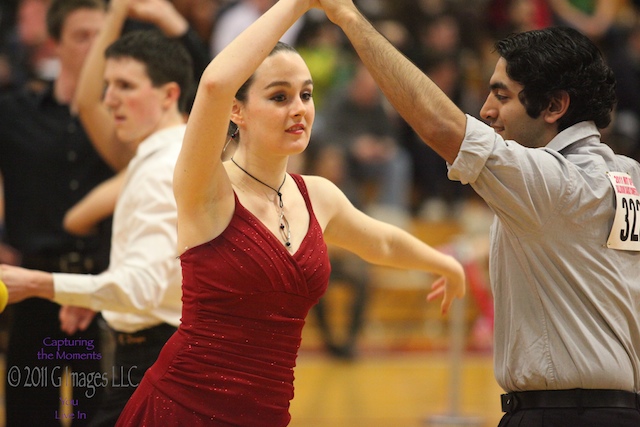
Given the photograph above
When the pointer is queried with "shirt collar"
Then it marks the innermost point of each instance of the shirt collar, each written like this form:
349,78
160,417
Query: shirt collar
572,134
160,139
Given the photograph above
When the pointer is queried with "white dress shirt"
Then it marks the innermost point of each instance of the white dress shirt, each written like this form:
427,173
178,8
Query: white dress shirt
143,285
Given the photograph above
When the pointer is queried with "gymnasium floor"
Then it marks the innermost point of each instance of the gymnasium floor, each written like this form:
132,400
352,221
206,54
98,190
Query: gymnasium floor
394,390
405,375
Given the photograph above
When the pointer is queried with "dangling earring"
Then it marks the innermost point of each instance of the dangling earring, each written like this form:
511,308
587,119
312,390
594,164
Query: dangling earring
232,136
226,145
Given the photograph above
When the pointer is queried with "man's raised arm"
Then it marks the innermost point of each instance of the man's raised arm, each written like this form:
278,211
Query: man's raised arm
434,117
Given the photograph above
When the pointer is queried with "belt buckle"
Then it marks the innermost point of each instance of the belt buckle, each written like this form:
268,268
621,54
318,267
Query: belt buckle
509,402
130,339
74,262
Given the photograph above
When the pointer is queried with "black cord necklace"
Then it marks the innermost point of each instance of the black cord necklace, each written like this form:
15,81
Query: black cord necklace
285,231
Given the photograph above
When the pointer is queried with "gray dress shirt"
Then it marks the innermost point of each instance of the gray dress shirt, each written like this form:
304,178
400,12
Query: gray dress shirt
567,307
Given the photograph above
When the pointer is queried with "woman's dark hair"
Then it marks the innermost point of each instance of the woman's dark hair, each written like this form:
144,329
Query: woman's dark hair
548,61
166,60
242,93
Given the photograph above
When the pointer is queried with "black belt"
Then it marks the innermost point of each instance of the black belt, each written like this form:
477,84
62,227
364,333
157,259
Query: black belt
575,398
71,262
160,333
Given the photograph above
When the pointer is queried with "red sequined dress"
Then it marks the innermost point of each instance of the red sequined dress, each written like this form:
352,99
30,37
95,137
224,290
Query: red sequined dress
245,299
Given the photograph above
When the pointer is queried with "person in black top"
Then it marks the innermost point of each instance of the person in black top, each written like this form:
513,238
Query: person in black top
48,164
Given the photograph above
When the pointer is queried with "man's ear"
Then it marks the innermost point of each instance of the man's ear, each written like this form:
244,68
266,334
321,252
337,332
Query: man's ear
557,107
172,94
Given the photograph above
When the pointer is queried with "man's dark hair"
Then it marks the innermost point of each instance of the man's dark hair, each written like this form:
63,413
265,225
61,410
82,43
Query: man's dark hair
165,59
59,10
548,61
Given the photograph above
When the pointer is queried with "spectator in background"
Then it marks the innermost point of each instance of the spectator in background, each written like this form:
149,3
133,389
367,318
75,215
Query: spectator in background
508,16
435,197
358,150
593,18
351,271
622,49
439,52
359,128
320,44
200,14
26,50
624,58
235,17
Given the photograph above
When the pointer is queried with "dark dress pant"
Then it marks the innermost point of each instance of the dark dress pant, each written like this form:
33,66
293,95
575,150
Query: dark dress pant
134,354
572,417
33,381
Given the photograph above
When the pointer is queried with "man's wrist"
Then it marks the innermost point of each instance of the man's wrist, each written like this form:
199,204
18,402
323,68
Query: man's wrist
43,285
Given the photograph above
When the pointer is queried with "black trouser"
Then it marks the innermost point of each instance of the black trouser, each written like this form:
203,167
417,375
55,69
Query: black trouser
564,408
134,354
572,417
33,380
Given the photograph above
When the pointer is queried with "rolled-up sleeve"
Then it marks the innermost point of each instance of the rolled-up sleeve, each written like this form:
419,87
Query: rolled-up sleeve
476,147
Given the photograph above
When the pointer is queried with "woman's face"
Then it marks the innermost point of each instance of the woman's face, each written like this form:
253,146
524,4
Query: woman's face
278,113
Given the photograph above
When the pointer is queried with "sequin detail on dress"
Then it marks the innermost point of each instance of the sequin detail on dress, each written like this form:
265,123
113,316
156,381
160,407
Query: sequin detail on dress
245,298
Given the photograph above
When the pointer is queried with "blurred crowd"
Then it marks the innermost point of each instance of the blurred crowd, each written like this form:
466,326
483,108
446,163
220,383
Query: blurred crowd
358,141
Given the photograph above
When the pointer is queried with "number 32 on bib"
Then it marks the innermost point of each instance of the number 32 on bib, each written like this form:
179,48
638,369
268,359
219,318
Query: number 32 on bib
625,232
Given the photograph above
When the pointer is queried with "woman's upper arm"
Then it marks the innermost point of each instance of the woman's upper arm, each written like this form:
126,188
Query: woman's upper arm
344,225
199,161
202,189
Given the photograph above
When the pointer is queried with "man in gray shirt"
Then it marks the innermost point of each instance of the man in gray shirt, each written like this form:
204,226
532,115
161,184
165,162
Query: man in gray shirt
565,252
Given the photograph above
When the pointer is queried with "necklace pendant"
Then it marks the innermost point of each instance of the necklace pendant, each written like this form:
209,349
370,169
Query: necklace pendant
284,224
285,231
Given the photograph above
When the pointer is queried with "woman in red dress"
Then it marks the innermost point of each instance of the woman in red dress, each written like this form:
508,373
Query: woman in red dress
252,241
